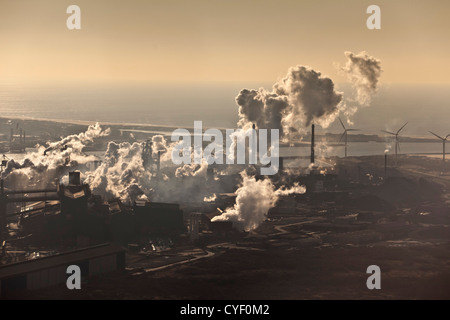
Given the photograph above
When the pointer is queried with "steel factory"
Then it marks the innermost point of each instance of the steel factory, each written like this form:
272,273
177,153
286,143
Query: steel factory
335,203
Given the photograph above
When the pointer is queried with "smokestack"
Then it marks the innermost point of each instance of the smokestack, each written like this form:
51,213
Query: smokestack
159,161
312,143
2,208
385,165
20,139
74,178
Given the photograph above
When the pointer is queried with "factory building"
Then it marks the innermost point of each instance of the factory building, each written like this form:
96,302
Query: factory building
52,270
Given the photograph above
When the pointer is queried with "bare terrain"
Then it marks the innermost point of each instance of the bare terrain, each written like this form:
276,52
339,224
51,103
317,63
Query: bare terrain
306,250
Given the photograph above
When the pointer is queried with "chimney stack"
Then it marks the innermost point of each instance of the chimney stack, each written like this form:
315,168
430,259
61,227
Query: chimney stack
74,178
3,202
159,161
312,143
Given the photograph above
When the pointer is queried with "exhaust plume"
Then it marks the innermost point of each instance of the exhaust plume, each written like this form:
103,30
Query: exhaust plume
300,98
364,72
41,168
253,201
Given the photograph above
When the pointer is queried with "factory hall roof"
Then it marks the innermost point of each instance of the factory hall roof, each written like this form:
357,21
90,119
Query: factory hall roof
62,259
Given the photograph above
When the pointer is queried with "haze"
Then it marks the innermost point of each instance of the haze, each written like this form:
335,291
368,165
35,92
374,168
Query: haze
204,40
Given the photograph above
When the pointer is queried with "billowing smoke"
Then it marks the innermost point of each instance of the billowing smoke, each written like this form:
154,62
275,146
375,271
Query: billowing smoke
300,98
158,144
78,141
254,198
312,97
121,173
296,188
210,198
364,72
304,96
261,107
41,168
192,170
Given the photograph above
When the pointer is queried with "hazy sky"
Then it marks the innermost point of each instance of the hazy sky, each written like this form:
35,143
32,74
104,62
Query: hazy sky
218,40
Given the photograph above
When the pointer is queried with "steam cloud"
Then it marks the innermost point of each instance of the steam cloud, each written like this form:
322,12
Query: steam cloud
78,141
253,201
304,96
121,172
300,98
42,167
364,72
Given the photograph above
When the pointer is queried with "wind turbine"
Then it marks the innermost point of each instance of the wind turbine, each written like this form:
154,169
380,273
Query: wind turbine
397,144
443,148
344,135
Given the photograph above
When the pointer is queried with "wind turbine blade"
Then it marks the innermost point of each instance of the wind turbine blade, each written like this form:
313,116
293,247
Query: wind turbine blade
342,136
401,128
353,130
437,135
447,136
389,132
342,123
398,146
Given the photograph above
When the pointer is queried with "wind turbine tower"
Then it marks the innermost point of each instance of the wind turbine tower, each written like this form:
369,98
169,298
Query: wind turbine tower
443,148
397,143
344,135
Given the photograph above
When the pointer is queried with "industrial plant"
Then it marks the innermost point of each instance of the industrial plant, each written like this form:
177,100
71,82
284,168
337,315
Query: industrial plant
130,215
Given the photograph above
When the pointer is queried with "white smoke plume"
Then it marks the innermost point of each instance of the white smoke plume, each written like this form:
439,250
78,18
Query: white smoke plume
159,144
254,199
192,170
300,98
364,72
121,173
78,141
41,168
210,199
296,188
311,95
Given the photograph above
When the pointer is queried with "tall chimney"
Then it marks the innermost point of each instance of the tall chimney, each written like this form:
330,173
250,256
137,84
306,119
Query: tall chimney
159,161
312,143
74,178
385,165
3,199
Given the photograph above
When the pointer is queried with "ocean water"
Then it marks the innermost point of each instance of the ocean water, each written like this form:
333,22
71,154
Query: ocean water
425,107
152,103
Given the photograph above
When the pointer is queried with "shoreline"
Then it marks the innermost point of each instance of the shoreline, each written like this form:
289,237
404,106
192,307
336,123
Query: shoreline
35,126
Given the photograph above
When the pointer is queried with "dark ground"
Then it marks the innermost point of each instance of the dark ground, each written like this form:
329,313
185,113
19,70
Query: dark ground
333,273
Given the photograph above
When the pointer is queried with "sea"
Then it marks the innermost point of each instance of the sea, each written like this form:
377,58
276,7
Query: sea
425,107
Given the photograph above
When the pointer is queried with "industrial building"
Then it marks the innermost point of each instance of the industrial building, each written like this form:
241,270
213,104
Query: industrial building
52,270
